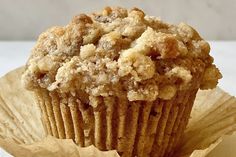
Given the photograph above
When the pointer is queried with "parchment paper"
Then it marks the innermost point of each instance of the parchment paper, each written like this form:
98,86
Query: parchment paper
22,134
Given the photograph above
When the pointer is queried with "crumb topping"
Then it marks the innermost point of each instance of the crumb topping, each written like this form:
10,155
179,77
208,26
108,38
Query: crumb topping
119,52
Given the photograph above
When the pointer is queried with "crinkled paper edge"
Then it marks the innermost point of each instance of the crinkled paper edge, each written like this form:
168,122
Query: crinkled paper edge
22,134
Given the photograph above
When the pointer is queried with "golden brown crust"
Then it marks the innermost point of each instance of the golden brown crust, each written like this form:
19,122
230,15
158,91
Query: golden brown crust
120,52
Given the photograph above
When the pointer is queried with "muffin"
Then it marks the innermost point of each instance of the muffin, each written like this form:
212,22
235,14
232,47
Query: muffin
119,79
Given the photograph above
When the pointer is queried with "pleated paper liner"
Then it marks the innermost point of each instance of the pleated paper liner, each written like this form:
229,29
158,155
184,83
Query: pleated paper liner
20,121
19,112
52,147
112,123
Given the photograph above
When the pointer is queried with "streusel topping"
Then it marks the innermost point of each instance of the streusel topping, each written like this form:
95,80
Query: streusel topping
119,52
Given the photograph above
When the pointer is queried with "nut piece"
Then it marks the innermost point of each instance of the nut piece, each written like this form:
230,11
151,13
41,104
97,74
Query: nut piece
182,73
210,77
157,44
139,66
87,51
167,92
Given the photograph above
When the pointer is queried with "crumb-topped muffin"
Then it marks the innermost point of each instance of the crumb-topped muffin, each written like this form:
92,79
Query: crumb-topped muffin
119,79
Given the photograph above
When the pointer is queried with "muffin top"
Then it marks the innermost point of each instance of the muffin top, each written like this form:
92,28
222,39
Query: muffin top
119,52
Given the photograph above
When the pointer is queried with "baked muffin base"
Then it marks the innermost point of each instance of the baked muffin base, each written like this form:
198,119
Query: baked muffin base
132,128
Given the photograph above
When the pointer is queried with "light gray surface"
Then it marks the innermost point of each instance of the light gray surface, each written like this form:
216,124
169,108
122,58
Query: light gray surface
25,19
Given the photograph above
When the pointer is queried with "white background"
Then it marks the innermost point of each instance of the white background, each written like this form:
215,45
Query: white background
25,19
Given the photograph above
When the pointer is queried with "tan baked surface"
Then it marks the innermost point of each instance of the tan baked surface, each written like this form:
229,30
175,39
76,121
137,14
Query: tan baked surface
119,52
